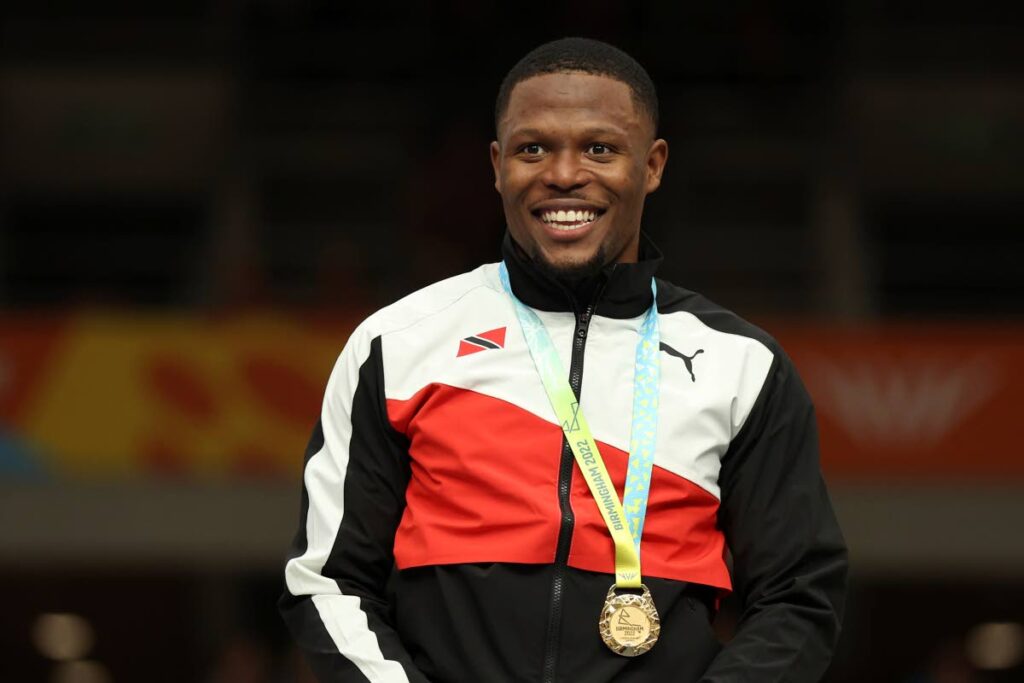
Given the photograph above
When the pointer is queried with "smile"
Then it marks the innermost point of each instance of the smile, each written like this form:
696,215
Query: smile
567,221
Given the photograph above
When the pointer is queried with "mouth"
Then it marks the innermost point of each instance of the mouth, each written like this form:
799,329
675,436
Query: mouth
567,219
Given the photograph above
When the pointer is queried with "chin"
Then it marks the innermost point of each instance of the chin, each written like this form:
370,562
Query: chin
572,268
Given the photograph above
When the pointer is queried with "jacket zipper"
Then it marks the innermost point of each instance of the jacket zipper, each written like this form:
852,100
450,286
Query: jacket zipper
565,472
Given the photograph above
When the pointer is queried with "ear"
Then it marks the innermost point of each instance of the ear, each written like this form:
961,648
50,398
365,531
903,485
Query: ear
496,163
657,157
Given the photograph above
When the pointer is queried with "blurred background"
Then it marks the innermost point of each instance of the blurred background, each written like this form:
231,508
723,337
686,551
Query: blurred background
199,200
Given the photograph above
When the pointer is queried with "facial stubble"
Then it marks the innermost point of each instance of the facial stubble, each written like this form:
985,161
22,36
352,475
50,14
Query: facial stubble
570,273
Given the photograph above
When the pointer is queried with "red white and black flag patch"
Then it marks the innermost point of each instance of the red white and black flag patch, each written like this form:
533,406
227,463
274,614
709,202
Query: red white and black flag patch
483,341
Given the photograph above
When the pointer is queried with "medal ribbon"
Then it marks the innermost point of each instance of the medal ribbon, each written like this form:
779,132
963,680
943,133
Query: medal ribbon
625,520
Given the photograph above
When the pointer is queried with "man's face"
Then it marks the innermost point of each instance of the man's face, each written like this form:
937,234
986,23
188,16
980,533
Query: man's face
574,160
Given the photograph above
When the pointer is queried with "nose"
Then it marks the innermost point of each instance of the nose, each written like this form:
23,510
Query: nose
564,171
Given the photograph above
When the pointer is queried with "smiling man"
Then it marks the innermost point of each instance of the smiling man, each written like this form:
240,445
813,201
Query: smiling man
473,510
575,158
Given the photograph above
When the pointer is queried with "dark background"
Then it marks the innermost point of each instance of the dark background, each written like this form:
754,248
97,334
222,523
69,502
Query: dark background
850,161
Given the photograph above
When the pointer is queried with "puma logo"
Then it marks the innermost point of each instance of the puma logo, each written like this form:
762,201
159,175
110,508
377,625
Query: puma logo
687,360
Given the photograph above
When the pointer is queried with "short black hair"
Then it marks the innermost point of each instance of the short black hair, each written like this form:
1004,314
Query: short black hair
587,56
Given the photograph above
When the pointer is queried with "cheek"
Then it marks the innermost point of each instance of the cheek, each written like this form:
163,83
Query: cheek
515,182
628,185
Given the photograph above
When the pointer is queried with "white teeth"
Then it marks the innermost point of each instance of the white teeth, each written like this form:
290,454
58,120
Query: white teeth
574,218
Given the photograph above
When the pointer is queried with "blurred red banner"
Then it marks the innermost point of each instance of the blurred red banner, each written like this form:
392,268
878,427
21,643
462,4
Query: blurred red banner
914,402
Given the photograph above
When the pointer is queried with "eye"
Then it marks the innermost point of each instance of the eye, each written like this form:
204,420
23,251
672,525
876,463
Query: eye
599,149
531,149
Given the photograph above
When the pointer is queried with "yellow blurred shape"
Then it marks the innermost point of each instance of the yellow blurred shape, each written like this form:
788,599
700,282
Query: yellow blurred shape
62,636
996,646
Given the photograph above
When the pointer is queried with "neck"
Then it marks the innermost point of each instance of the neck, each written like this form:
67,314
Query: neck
582,288
623,288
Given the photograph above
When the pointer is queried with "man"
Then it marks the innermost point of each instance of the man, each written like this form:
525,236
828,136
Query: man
452,532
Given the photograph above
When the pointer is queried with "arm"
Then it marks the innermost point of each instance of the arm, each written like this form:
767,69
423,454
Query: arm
353,497
789,558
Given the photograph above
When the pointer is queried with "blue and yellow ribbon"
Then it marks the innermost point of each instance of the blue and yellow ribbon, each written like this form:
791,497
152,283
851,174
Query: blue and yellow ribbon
625,520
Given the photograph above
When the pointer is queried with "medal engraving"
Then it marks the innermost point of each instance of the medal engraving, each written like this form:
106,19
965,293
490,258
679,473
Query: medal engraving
629,623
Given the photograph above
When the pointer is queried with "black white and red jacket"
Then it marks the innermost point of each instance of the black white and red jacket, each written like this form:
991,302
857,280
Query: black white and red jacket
446,534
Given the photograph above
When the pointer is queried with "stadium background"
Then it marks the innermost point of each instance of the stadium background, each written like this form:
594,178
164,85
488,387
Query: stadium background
198,201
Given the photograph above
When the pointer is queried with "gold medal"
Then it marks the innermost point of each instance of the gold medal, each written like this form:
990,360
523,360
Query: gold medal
629,624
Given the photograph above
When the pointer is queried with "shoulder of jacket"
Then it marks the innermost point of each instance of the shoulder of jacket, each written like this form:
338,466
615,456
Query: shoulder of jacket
673,299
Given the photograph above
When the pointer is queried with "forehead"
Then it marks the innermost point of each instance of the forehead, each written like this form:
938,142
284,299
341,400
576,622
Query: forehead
572,97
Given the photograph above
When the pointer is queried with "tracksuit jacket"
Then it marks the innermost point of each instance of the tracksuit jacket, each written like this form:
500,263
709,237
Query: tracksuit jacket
447,535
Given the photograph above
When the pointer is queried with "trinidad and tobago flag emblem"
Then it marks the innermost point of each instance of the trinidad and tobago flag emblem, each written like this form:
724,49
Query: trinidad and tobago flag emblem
483,341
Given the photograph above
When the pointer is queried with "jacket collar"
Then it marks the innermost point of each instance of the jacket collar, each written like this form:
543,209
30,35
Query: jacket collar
623,290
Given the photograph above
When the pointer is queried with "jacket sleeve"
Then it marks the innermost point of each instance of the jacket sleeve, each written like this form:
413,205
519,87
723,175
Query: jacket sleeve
353,496
789,557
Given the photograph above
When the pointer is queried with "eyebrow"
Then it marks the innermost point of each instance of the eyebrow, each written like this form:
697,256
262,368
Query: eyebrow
529,132
596,131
